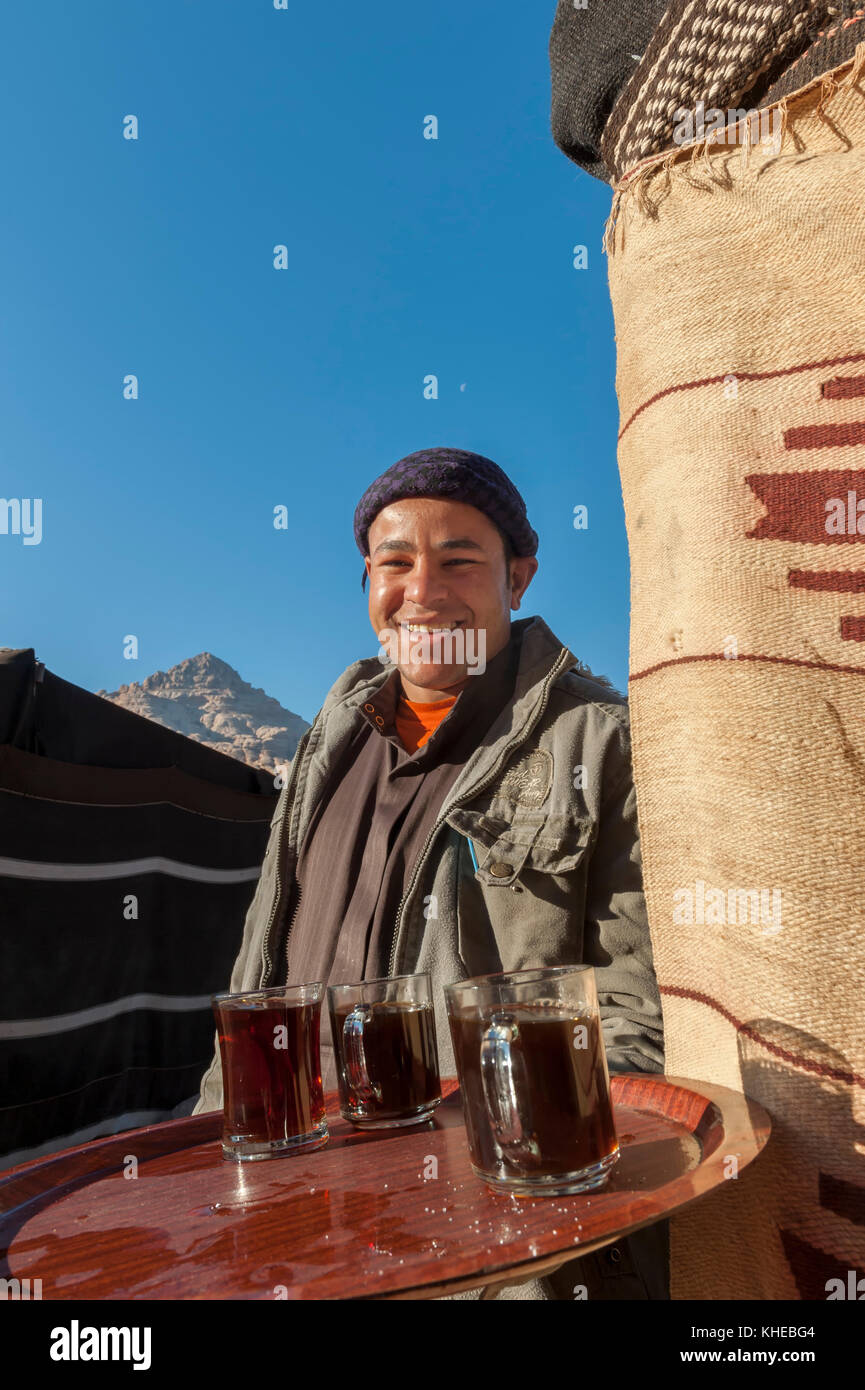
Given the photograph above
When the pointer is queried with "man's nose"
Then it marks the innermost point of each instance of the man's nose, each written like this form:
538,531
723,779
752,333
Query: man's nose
425,585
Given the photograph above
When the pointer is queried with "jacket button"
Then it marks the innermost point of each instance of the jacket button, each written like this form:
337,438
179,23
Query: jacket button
500,870
615,1255
370,709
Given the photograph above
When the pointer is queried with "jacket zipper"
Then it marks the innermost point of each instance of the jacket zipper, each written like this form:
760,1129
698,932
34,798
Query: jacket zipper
295,768
266,956
294,913
551,679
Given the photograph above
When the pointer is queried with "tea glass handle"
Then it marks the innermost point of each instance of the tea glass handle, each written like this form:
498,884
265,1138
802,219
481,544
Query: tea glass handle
497,1074
355,1057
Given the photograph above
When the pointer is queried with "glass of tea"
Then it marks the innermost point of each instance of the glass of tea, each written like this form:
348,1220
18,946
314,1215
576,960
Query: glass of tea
384,1042
533,1080
271,1071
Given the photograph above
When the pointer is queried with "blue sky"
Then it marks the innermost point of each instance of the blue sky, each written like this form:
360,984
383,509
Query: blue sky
260,387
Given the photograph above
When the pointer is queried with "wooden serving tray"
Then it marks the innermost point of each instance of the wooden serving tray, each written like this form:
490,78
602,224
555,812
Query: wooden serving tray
362,1217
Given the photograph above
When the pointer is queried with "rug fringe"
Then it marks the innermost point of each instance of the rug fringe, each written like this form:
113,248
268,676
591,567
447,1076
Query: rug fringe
636,192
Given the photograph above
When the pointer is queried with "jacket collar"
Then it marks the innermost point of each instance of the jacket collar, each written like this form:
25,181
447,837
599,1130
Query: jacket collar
541,650
541,655
543,658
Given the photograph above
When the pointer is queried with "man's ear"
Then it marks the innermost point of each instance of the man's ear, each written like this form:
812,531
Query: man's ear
523,570
365,573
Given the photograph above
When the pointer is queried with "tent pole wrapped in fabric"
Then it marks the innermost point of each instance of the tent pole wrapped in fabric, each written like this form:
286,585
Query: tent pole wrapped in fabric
739,299
129,856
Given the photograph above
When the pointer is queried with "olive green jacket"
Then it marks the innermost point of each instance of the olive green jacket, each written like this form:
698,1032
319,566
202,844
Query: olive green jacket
548,802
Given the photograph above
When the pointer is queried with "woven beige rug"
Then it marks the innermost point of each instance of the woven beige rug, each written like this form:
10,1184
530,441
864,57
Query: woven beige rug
737,276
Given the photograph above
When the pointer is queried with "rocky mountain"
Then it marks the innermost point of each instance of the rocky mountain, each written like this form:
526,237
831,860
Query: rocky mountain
205,699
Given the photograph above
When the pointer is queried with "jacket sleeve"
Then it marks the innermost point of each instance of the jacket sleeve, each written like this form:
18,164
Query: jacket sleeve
616,937
246,972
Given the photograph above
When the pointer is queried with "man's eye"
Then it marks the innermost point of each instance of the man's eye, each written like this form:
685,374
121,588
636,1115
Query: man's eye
457,560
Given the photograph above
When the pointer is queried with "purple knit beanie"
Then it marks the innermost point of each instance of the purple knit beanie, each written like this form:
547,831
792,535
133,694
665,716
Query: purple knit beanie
458,475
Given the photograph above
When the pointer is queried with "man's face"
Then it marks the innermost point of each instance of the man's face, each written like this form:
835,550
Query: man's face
437,566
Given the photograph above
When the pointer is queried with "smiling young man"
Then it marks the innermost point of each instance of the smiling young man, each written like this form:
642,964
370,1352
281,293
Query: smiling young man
467,807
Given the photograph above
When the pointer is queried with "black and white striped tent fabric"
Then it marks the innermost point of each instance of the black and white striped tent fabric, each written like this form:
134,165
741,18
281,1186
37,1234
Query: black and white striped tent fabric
128,857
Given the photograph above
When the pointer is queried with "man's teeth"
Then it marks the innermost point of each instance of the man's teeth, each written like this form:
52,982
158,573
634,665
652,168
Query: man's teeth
422,627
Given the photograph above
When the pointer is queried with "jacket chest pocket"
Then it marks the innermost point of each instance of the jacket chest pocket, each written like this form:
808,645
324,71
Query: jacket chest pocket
524,905
507,846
